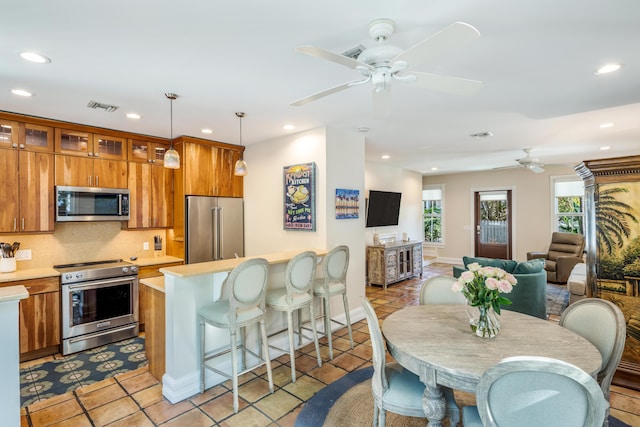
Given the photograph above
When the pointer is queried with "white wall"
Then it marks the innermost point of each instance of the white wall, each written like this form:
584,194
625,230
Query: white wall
532,208
387,178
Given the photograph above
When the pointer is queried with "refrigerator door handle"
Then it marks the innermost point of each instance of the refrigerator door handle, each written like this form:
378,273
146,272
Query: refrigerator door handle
214,228
220,232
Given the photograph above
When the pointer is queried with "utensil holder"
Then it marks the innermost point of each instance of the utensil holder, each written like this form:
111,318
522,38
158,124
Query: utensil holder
7,265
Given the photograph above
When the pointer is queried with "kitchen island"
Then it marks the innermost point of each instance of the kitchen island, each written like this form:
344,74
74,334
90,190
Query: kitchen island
188,288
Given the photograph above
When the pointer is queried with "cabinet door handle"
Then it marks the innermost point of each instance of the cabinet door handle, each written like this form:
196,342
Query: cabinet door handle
15,224
97,185
89,180
22,223
22,146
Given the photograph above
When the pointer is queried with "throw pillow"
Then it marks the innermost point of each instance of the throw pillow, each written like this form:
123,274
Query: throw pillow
527,267
506,264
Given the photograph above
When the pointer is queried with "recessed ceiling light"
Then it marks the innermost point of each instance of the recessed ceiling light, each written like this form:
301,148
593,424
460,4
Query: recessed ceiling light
206,131
21,92
609,68
434,169
133,115
385,156
34,57
288,127
606,125
604,148
363,129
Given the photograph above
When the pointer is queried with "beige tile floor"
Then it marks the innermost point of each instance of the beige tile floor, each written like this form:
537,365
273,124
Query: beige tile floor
135,398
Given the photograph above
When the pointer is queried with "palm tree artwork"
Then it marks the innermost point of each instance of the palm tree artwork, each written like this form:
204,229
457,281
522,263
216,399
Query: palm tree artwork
613,218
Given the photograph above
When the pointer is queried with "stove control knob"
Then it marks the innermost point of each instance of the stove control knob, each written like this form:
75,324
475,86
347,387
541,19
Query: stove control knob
68,276
125,269
134,268
78,275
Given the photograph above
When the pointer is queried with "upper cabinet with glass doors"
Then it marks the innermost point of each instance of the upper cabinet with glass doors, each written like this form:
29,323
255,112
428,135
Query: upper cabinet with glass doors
26,136
147,152
90,145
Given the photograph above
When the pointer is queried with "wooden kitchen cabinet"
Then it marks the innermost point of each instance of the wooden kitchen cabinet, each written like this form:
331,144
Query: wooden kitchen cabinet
39,317
27,196
151,196
393,262
8,134
85,144
208,171
90,172
147,151
144,272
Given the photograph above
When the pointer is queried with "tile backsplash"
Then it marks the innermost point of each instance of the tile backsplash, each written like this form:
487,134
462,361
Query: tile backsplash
84,241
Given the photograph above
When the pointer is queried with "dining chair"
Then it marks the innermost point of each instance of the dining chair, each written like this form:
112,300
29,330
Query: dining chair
531,391
394,388
334,283
242,304
437,290
294,296
603,324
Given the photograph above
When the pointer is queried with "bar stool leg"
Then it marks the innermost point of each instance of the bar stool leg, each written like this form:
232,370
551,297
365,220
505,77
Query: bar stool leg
265,353
348,317
292,349
327,324
234,369
314,329
202,354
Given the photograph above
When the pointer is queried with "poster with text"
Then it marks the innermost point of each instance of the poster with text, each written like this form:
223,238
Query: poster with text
300,197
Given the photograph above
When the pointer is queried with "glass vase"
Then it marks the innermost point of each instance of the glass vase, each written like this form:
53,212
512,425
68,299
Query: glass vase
483,321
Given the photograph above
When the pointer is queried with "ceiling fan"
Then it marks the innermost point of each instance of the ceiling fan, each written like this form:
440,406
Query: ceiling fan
385,62
530,163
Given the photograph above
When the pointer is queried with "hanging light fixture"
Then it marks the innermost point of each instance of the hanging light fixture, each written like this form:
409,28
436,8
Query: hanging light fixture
171,156
241,166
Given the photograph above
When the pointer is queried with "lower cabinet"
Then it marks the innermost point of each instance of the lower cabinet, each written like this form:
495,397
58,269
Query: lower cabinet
145,272
393,262
39,317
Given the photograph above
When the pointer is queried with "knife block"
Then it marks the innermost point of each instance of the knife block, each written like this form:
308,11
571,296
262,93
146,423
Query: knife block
7,265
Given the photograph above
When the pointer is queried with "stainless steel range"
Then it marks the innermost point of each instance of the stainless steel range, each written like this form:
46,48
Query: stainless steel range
99,303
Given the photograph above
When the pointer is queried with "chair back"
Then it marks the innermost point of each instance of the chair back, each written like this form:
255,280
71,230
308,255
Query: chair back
300,274
565,244
245,288
539,391
335,265
379,380
602,323
437,290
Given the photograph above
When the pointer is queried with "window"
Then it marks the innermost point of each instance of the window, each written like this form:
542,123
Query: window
568,205
432,207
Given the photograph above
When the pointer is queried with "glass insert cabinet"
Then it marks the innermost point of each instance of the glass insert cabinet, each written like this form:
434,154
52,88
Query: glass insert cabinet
392,262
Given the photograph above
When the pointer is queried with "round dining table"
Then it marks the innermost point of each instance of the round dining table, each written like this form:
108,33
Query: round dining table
436,343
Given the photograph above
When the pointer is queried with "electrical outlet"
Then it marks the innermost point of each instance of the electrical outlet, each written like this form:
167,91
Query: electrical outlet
23,254
145,246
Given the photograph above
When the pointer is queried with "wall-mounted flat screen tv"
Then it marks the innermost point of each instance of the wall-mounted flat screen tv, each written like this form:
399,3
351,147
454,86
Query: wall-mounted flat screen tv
383,208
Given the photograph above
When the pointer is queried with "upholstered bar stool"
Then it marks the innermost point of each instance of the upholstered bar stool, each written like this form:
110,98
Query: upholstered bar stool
296,295
242,304
334,283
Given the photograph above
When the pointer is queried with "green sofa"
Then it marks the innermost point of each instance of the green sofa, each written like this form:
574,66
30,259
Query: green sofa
529,296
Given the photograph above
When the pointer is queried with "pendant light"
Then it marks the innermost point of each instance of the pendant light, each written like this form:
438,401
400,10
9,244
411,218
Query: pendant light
241,166
171,156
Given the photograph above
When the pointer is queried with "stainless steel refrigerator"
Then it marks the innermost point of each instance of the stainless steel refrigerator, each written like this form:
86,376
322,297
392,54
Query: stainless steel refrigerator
214,228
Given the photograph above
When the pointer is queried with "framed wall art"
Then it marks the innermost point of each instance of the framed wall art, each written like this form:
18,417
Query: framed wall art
300,197
347,203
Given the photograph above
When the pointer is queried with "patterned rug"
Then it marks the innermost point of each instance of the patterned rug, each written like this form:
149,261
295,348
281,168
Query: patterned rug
557,298
66,373
348,402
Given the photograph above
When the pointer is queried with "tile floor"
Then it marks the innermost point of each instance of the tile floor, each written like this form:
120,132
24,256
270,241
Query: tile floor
135,398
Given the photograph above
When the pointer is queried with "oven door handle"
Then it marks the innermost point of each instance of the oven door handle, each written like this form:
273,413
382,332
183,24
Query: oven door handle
101,283
97,334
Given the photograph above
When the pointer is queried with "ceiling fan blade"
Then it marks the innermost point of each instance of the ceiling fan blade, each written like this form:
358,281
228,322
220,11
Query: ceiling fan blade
322,94
382,102
535,168
447,84
455,35
333,57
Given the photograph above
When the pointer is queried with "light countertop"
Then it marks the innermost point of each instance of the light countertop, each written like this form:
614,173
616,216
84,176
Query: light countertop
12,293
146,261
156,283
188,270
29,273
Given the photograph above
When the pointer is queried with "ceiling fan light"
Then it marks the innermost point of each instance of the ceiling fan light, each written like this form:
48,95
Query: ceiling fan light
240,168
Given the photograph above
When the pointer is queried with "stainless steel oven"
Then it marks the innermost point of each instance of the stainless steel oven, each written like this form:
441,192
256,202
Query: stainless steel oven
99,303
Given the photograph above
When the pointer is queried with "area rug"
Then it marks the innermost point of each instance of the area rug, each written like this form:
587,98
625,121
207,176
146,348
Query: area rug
557,298
348,402
66,373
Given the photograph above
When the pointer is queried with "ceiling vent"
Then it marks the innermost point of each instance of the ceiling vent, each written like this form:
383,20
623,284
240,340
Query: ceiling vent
99,106
354,52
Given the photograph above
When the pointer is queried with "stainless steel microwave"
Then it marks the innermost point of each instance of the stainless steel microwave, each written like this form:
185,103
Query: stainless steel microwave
91,204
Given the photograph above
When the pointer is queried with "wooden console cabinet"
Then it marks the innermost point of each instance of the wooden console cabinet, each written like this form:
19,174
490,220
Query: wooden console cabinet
393,262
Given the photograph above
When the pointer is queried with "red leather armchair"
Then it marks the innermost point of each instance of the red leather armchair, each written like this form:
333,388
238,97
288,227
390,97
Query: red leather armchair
565,251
